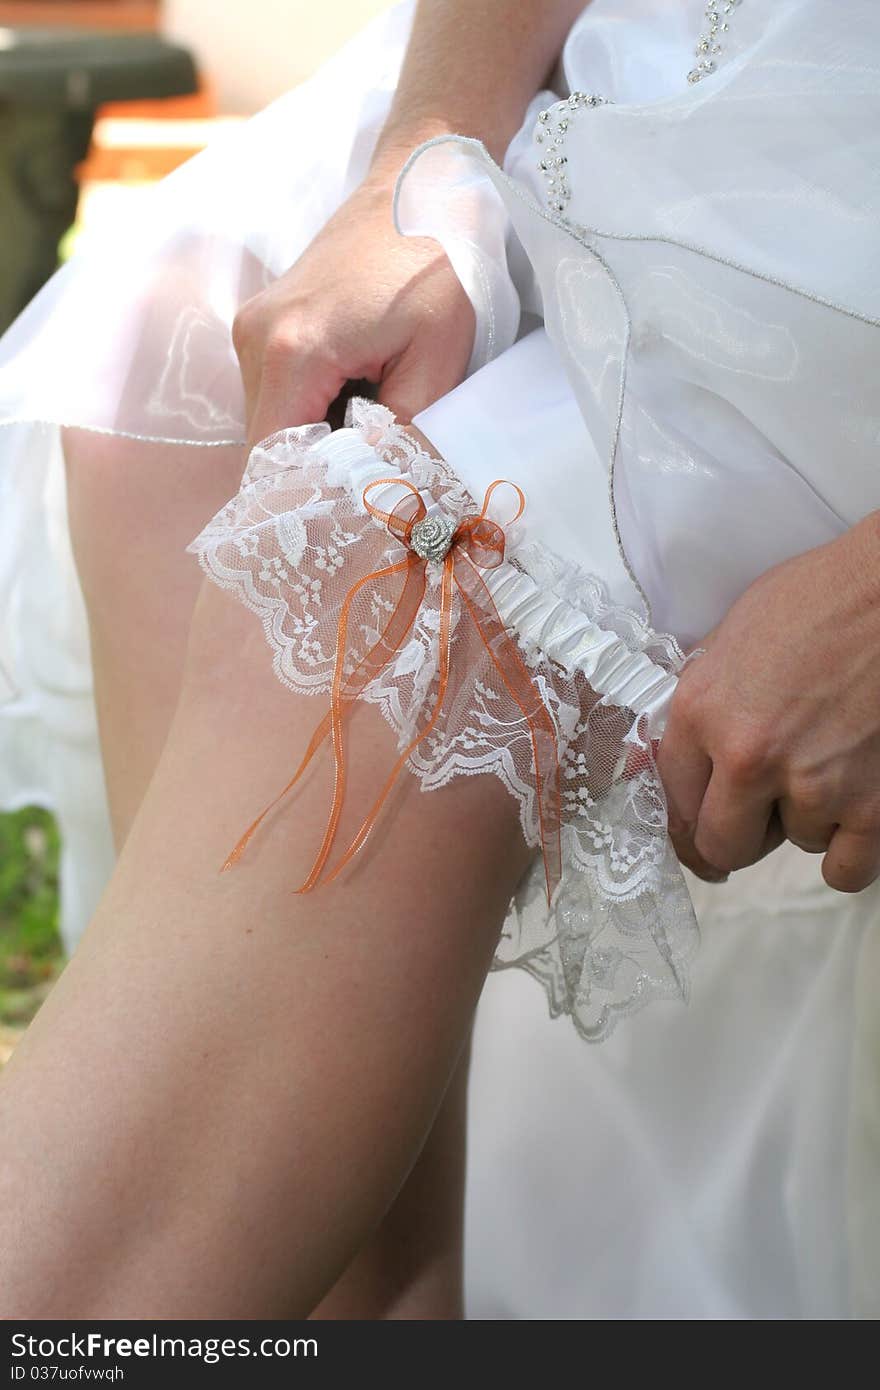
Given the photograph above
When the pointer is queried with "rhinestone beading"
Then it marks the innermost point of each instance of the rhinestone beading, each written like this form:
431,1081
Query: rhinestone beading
709,44
550,132
553,123
431,538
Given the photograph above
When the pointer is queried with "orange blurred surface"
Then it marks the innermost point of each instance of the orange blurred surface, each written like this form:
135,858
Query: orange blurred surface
88,14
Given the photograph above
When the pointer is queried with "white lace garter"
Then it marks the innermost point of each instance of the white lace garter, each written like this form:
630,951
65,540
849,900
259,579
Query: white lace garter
602,916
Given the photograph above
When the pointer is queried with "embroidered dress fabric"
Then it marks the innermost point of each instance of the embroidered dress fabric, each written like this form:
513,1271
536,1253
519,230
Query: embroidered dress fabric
688,296
705,285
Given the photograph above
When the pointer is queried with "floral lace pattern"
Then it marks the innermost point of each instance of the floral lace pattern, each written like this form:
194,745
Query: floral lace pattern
620,928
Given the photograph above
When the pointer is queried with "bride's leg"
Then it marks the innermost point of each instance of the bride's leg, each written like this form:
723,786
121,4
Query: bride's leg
230,1083
412,1267
133,509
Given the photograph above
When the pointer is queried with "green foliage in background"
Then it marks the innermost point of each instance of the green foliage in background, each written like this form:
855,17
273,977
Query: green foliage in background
31,953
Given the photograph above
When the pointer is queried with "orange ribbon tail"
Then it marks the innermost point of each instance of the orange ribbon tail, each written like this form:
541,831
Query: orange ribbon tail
476,541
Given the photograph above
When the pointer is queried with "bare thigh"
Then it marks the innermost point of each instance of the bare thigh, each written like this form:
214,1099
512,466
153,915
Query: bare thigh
187,1174
133,509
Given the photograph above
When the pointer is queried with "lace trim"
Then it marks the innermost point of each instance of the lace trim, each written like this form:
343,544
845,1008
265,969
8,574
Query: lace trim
620,929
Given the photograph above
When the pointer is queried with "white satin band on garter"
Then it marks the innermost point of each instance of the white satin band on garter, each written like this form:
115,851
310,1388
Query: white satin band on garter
540,616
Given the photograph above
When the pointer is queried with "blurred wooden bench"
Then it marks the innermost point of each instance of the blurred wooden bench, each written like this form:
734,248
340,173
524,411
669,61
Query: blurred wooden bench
87,14
53,81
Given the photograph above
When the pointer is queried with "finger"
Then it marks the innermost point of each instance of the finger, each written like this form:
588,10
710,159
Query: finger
852,860
685,770
805,826
774,837
288,372
639,760
733,822
300,393
418,378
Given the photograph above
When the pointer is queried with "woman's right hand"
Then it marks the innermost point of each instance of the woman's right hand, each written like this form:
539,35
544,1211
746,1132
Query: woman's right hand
363,302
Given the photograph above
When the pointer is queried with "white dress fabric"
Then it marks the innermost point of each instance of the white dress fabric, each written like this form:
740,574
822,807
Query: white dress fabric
708,364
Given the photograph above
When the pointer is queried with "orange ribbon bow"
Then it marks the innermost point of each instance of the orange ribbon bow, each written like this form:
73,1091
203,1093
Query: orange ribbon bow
475,541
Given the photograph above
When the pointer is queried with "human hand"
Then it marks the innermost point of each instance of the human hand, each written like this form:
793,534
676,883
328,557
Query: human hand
361,303
774,733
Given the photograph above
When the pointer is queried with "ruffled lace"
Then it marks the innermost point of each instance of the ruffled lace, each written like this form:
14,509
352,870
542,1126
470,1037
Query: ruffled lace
619,929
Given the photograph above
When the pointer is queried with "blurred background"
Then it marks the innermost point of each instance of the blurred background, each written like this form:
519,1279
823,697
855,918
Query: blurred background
98,100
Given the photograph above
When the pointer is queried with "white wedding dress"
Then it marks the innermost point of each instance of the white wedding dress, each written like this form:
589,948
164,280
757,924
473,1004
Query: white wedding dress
698,253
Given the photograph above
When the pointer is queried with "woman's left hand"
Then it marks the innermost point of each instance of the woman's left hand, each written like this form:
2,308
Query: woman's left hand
774,733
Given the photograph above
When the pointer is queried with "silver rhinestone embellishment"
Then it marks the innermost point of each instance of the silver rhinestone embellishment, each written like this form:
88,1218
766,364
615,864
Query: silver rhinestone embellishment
431,537
708,47
553,123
